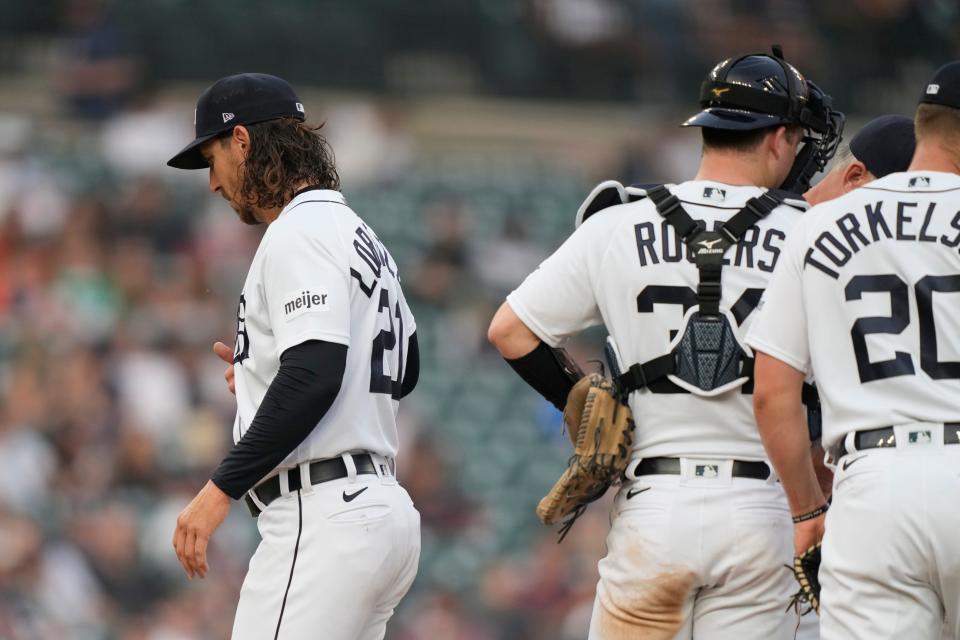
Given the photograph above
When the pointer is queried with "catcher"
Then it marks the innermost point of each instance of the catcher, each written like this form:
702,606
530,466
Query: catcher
701,529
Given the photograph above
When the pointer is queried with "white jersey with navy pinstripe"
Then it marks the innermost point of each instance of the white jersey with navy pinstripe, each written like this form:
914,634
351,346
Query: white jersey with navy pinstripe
867,298
628,269
320,273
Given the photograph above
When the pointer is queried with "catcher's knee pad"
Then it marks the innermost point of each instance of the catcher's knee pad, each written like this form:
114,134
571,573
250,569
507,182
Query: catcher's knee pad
709,355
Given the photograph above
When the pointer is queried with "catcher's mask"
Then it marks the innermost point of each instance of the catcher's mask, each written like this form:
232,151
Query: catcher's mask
757,91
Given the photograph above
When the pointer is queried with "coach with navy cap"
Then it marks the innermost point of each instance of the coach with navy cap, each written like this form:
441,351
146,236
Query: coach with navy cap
884,145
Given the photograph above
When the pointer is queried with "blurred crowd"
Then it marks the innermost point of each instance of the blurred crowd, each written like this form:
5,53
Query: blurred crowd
115,280
613,50
116,276
111,290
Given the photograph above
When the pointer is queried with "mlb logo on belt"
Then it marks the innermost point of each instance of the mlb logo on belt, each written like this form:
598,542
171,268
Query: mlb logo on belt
920,437
706,470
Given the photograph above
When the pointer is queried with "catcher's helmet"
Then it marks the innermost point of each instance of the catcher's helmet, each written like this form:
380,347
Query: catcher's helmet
751,92
757,91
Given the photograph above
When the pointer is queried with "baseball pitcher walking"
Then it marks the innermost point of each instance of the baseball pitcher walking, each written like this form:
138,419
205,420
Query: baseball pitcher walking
326,347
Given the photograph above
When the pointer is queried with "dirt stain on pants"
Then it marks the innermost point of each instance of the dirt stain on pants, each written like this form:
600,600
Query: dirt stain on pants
653,610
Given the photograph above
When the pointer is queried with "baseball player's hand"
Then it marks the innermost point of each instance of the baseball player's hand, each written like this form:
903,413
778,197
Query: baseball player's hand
225,353
808,533
195,524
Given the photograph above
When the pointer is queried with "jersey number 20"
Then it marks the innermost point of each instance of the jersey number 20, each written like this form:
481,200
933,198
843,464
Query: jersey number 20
902,363
387,340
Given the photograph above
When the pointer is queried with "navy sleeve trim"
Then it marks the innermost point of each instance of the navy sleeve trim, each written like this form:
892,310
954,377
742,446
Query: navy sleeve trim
412,374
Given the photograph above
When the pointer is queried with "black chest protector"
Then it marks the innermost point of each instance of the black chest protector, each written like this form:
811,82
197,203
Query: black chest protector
707,357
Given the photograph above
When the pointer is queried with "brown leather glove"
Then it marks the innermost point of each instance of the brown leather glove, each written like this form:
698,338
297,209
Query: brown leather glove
601,429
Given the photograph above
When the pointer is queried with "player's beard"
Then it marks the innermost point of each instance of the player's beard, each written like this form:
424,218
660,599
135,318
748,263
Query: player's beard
239,203
247,214
244,211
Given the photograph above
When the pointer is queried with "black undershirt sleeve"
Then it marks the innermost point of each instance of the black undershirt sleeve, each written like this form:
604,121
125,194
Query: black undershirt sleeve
302,392
551,373
412,374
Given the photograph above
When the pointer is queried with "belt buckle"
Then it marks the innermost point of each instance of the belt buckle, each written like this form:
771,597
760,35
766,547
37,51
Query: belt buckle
890,441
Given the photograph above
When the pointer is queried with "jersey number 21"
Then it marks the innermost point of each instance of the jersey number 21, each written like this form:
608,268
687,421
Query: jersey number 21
391,340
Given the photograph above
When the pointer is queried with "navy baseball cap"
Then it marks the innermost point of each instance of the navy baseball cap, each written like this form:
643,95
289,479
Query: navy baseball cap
244,98
885,144
944,88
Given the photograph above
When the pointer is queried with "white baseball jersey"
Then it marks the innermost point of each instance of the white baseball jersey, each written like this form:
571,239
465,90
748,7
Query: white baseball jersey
627,268
320,273
867,298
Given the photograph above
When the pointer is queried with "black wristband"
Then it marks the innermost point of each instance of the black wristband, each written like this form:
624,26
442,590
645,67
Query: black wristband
550,372
810,515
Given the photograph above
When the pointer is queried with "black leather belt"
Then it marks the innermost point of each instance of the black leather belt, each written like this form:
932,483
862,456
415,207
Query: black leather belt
885,437
320,471
671,466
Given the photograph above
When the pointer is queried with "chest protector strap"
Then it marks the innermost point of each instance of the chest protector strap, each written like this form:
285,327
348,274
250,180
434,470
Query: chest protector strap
711,328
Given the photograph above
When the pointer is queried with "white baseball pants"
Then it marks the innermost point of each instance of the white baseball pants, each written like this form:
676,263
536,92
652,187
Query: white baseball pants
328,567
891,554
697,557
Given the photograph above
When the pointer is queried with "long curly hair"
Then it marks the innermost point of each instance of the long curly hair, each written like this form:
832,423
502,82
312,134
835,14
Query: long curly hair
284,154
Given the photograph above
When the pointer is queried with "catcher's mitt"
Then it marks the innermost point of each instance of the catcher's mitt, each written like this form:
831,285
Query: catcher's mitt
600,426
806,568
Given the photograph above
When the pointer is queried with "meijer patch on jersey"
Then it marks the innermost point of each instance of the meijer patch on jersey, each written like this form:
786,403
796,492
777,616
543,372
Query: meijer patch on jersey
303,301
